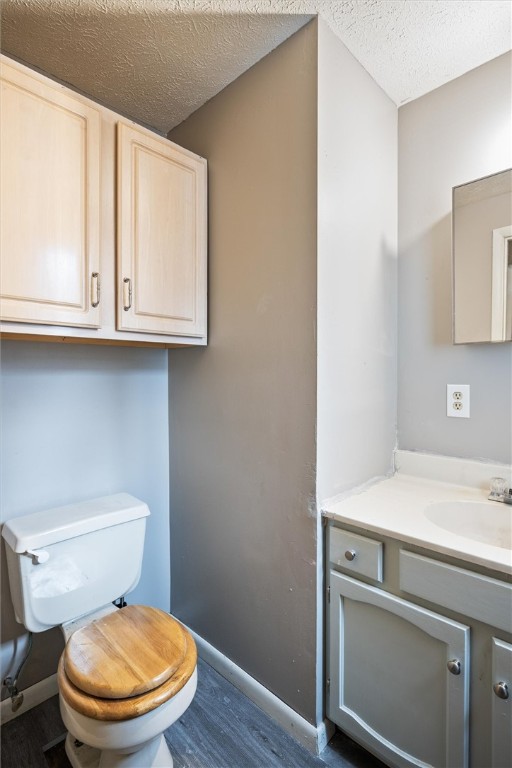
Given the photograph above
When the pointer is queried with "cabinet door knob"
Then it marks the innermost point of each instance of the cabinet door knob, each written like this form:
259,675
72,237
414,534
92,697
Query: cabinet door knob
501,690
350,554
454,666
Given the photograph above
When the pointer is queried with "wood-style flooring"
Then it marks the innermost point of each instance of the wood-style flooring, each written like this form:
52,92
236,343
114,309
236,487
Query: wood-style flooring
221,729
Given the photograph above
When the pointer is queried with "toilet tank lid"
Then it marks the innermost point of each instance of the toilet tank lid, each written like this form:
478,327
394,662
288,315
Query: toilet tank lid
40,529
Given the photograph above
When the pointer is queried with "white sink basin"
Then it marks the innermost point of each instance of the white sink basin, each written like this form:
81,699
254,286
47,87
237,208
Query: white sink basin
488,522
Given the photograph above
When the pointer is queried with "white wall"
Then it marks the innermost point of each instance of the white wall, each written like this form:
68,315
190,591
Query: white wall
80,422
459,132
357,209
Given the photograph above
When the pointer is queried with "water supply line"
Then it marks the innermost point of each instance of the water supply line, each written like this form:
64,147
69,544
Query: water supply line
12,685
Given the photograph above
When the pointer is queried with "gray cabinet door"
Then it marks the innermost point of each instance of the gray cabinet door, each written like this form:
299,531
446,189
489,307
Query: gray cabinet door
390,684
501,704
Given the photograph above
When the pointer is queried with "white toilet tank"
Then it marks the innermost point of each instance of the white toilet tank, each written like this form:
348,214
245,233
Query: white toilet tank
68,561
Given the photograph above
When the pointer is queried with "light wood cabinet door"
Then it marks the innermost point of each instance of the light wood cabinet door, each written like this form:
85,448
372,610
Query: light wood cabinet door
390,684
50,204
161,236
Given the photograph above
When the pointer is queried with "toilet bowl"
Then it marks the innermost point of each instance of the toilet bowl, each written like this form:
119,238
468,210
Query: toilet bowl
102,744
126,674
123,679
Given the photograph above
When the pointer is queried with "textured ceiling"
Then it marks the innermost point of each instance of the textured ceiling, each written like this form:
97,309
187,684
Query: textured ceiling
159,60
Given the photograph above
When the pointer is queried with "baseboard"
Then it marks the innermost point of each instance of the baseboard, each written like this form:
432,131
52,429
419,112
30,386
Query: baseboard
314,738
32,696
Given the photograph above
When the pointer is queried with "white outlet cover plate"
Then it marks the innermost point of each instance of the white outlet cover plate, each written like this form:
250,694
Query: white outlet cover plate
457,393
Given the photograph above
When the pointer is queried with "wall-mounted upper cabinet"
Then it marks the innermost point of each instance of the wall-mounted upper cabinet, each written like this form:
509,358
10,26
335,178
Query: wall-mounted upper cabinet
78,185
161,207
50,185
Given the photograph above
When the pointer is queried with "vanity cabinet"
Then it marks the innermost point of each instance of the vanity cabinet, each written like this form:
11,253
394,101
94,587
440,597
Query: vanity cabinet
419,662
103,222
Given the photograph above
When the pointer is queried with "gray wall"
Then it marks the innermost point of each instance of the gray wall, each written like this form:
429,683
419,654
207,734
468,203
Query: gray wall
242,411
79,422
457,133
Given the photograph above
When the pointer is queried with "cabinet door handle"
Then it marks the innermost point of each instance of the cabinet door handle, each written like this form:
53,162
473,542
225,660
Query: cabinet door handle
127,293
454,666
350,554
501,690
95,289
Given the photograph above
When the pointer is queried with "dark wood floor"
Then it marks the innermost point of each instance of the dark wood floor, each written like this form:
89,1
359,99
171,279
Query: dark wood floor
221,729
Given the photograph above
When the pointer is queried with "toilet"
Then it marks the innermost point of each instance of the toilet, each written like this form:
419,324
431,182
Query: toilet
126,674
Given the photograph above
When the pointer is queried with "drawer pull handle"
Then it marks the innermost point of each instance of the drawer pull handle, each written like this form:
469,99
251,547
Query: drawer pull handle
95,289
127,294
501,690
454,666
350,554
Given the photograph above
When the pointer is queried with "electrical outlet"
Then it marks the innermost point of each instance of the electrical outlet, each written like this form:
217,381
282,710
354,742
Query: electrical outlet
457,400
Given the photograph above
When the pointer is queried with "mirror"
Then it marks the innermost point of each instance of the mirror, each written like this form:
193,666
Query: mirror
482,260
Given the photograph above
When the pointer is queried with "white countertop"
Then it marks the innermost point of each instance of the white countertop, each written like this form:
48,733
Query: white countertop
395,507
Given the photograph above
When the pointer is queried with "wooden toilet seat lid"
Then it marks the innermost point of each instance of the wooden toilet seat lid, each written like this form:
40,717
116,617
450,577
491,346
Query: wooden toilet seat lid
127,653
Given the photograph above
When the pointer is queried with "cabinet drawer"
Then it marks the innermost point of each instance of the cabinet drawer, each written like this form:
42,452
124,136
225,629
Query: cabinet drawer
472,594
357,554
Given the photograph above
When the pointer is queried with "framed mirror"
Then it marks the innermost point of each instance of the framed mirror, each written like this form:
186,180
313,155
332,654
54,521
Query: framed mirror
482,259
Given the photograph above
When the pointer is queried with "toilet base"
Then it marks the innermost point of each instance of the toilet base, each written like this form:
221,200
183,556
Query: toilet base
81,756
154,754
